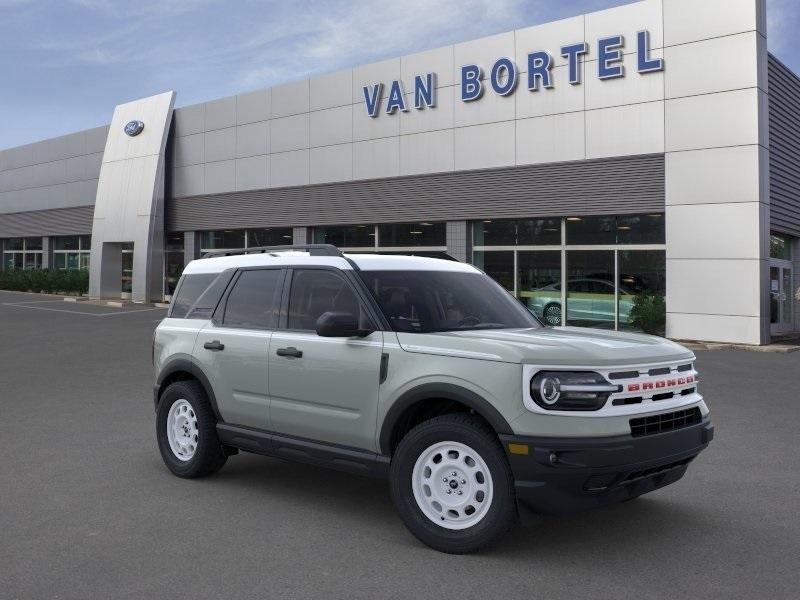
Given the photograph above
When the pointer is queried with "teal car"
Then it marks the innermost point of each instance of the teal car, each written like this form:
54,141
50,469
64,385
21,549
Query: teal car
588,301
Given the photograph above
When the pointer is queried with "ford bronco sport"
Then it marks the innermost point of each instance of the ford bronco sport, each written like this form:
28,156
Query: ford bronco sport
424,371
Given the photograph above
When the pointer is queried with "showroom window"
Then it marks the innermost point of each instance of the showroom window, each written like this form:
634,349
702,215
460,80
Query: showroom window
22,253
72,252
780,247
424,237
234,239
173,262
580,271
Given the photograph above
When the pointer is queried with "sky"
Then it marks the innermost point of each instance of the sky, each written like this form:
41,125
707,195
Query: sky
65,64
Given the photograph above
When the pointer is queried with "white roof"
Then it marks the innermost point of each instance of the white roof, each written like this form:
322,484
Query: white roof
366,262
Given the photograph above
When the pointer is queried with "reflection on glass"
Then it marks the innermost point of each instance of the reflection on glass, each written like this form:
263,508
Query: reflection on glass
497,265
229,239
641,272
346,236
173,267
584,231
539,281
407,235
590,288
780,247
279,236
70,242
623,229
517,232
127,268
640,229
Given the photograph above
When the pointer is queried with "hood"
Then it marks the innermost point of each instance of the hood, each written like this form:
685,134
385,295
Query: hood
557,346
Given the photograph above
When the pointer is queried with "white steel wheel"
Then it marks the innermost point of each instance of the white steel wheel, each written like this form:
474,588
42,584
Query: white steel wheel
452,485
182,432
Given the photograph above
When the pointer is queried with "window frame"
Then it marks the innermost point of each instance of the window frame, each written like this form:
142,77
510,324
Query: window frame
356,284
218,316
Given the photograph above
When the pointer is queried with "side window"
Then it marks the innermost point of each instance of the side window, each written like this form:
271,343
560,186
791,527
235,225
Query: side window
191,287
317,291
253,301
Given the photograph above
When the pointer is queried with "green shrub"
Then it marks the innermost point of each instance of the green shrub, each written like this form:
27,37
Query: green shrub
649,313
50,281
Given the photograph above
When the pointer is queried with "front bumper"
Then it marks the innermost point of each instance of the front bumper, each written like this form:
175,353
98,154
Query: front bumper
566,475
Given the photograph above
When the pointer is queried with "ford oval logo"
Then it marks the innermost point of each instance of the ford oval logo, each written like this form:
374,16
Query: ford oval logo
134,128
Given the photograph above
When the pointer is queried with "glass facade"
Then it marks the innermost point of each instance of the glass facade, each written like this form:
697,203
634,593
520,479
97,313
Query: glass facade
780,247
596,271
234,239
393,236
72,252
22,253
346,236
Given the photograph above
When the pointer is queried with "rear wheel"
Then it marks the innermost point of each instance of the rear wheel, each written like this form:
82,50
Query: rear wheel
186,430
452,485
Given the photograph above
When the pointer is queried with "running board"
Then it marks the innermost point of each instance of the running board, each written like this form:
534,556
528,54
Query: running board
332,456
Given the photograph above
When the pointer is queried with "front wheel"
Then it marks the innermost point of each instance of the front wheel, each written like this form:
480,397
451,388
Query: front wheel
452,485
186,430
552,314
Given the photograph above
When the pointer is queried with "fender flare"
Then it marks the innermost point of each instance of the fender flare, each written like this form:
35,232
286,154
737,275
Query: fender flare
448,391
187,366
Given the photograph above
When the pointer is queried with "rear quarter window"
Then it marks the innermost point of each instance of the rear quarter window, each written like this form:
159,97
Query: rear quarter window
189,290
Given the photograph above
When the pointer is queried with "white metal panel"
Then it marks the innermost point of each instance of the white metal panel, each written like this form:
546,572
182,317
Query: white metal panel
714,286
688,21
430,152
485,146
627,20
289,133
716,65
713,120
331,126
491,108
696,176
331,163
730,225
482,52
439,61
331,89
634,88
289,168
374,159
384,72
290,99
561,98
624,130
428,119
554,138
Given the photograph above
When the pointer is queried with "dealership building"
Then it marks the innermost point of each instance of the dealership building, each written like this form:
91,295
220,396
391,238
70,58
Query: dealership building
651,148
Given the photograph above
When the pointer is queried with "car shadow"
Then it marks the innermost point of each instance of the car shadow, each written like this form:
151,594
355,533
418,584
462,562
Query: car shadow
656,521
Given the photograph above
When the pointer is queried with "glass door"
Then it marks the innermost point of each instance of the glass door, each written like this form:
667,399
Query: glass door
127,270
780,296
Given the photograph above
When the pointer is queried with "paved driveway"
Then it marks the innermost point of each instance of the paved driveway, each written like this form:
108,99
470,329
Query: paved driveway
87,510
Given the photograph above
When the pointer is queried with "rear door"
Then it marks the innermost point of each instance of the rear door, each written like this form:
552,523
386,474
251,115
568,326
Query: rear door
324,389
232,348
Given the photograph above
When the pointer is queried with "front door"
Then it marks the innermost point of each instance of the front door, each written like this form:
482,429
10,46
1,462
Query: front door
321,388
232,349
780,296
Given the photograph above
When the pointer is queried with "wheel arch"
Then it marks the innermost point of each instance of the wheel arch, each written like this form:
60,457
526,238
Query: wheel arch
412,403
183,370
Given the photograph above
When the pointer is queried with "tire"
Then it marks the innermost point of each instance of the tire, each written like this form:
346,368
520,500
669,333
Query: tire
552,314
203,455
460,439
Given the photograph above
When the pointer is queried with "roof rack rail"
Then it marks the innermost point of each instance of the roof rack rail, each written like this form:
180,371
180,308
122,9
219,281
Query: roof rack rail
312,249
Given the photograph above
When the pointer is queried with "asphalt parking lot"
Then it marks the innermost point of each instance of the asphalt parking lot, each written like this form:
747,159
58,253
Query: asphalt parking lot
87,510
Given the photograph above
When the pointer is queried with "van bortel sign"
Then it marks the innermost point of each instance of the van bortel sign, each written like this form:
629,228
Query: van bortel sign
504,75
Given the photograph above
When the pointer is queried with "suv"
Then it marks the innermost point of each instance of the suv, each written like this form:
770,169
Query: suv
424,371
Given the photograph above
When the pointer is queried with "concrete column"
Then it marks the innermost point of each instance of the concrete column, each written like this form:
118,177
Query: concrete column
717,170
459,240
191,246
301,235
47,253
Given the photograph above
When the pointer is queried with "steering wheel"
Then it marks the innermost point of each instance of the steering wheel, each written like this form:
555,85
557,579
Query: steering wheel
468,320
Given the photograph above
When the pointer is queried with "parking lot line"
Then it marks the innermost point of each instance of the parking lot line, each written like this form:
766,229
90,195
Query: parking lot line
79,312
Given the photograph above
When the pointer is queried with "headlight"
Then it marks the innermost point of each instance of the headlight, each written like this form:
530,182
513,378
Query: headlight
565,390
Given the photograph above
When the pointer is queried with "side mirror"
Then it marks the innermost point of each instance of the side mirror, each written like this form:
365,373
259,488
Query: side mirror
340,324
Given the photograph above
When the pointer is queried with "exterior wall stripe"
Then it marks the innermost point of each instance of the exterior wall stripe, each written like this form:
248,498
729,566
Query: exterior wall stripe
633,184
53,222
784,148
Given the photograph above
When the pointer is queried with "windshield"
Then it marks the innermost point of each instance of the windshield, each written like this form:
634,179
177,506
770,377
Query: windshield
435,301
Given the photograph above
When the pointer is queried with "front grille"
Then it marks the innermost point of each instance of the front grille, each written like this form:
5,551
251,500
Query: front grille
663,423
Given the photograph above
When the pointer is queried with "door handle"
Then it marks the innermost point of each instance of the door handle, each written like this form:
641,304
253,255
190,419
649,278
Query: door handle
290,351
215,345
